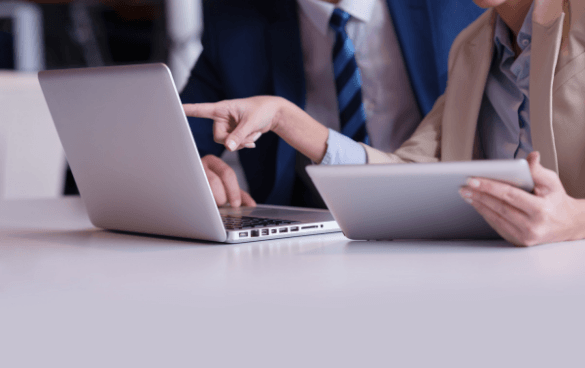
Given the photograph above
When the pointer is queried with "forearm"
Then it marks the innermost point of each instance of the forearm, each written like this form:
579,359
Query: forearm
301,131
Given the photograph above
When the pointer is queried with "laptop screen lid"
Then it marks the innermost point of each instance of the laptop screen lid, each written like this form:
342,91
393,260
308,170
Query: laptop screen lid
109,123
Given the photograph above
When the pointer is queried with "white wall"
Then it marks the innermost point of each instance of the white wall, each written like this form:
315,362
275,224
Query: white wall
32,162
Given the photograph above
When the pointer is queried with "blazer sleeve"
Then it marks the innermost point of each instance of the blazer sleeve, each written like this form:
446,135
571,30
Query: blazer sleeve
423,146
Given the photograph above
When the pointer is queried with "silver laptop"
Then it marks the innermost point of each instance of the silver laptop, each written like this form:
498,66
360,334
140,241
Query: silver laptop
411,201
136,165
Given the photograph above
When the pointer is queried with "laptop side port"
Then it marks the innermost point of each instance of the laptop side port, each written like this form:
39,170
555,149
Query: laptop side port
272,231
283,230
243,234
294,228
310,227
255,233
265,232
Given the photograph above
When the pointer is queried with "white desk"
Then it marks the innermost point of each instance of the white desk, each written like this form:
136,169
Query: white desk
75,296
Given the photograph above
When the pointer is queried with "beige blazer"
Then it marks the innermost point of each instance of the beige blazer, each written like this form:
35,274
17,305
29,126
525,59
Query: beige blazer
557,99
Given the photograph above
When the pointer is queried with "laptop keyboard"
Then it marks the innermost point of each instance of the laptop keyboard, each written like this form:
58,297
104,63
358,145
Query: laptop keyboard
232,222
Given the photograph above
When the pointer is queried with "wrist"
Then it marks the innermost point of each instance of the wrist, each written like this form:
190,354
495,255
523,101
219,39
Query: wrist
282,115
299,130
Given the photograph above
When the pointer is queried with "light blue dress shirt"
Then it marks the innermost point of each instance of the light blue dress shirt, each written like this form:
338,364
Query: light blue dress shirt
342,150
504,118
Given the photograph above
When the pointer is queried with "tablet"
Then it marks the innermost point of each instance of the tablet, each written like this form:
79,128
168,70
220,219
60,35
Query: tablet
411,201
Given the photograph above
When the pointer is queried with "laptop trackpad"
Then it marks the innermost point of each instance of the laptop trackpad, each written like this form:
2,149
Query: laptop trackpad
282,213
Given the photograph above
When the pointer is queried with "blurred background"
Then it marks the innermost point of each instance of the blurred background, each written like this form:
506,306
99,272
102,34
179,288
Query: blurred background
55,34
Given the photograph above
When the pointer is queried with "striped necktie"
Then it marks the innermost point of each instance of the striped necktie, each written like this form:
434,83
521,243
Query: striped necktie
352,115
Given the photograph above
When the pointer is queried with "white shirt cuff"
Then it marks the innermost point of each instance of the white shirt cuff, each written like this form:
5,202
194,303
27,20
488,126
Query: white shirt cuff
342,150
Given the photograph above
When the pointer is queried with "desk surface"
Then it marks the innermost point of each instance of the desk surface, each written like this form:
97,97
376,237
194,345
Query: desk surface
72,295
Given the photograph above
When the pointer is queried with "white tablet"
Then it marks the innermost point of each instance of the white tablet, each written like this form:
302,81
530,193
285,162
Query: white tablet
411,201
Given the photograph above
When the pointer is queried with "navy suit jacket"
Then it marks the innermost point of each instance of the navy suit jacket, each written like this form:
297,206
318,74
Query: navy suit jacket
253,47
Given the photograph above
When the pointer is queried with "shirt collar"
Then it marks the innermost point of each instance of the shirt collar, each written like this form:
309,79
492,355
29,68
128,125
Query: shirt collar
319,12
502,34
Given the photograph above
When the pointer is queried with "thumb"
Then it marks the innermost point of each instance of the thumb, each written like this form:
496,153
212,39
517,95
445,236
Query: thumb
237,138
533,160
545,180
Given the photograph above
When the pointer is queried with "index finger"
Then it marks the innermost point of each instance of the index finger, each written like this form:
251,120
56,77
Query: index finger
200,110
516,197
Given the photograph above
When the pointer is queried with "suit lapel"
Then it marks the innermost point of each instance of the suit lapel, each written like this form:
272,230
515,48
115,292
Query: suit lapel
288,82
545,47
465,94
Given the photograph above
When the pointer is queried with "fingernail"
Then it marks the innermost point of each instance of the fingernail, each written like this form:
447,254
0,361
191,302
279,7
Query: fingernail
250,145
465,193
474,183
231,145
255,138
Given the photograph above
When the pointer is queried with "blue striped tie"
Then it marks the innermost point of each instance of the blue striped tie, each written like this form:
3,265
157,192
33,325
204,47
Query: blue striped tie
352,115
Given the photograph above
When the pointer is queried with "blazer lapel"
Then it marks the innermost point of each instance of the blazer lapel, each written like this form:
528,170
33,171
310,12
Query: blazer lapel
289,82
546,43
465,88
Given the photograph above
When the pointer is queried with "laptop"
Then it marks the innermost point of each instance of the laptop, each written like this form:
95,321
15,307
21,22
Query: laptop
411,201
133,157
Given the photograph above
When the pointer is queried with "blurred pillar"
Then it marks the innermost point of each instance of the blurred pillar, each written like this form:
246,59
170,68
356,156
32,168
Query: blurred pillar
27,28
184,26
84,33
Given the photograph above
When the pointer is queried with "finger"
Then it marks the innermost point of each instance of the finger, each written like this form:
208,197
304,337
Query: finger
216,186
201,110
243,133
229,180
255,136
247,199
506,229
506,193
503,209
249,142
220,131
545,180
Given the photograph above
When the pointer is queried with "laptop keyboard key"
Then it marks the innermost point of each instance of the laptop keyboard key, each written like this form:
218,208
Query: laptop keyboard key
232,222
